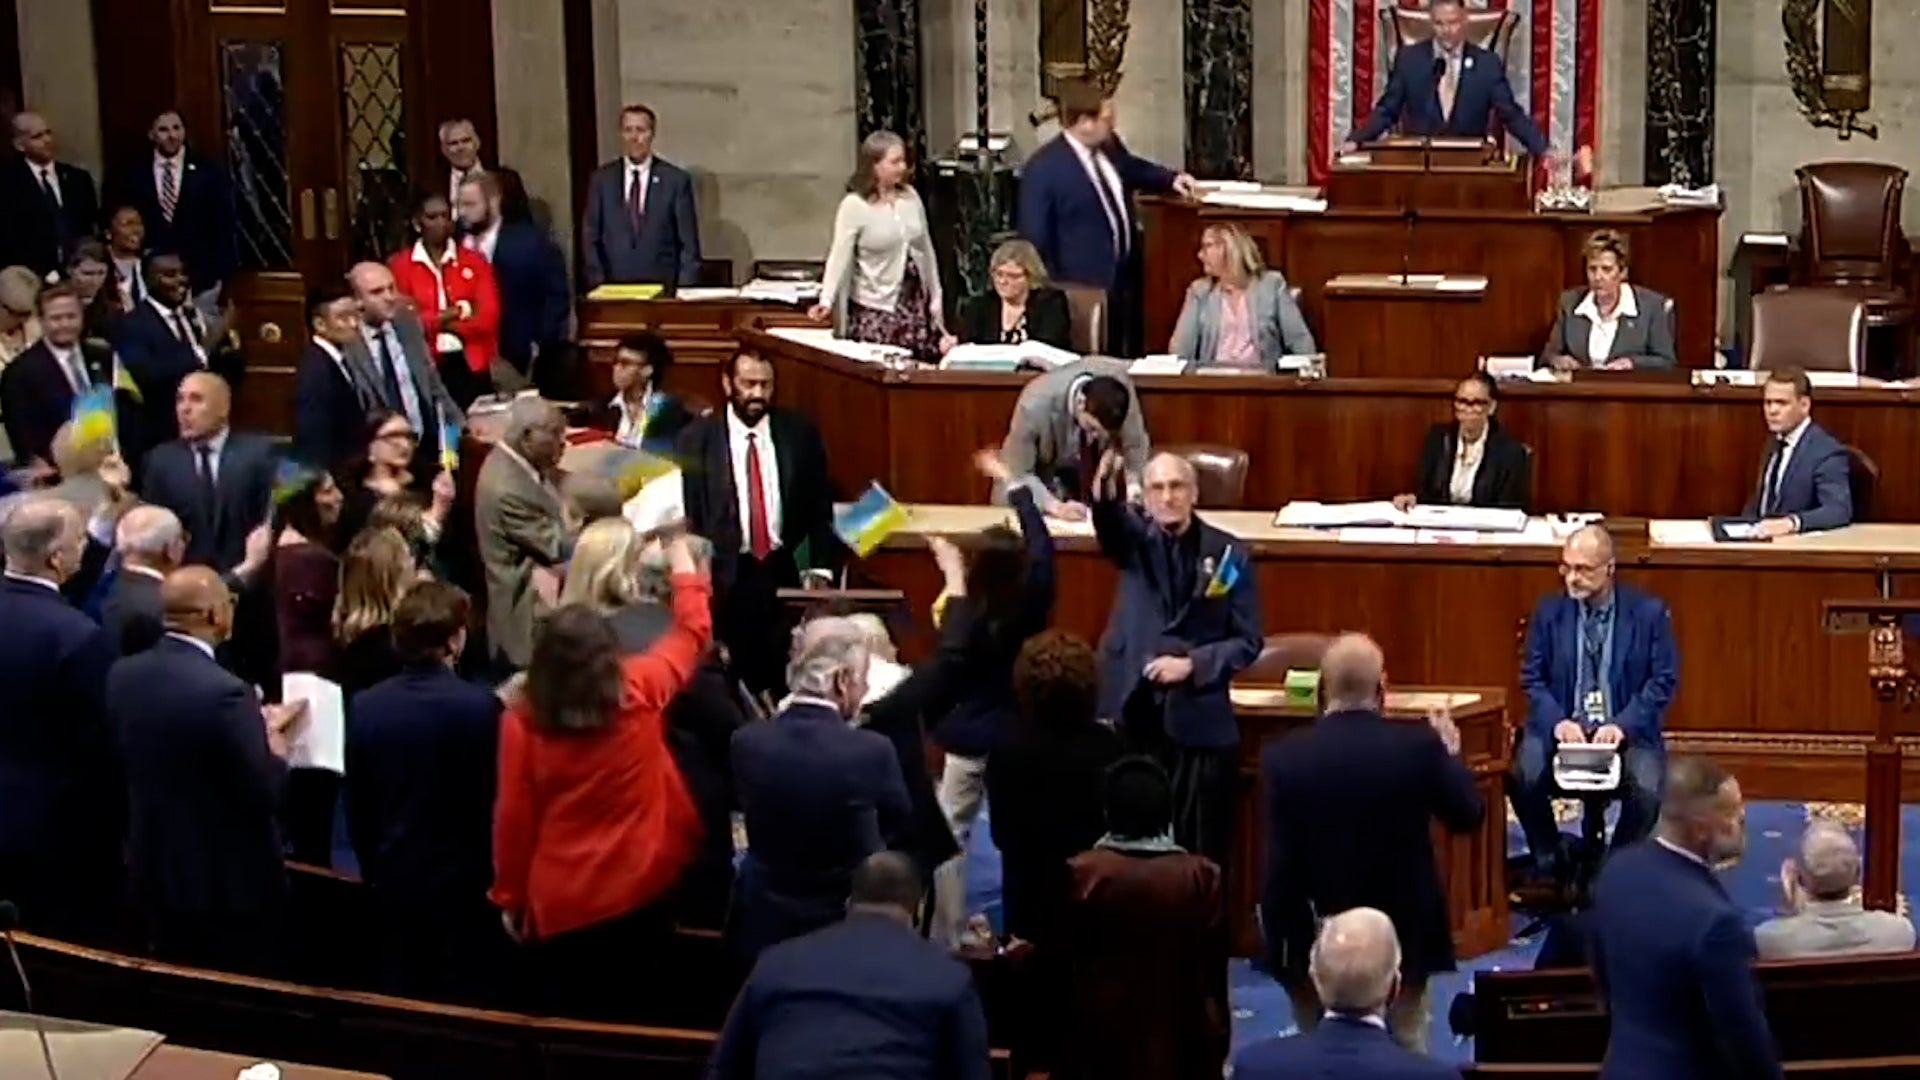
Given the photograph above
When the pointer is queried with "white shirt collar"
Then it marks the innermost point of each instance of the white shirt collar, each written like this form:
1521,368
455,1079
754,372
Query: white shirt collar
1359,1018
808,699
328,347
645,165
420,255
1680,851
45,583
143,571
1627,308
179,159
1793,436
193,641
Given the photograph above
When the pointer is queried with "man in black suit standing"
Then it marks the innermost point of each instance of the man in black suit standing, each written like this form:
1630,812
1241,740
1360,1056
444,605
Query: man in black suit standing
528,270
333,394
640,224
393,349
152,544
219,481
60,790
206,769
186,202
37,390
162,341
1350,804
46,205
755,484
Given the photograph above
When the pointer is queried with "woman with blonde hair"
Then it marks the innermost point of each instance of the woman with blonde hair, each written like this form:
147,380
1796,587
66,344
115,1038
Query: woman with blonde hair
605,571
882,282
19,300
1022,306
1610,324
1238,314
374,575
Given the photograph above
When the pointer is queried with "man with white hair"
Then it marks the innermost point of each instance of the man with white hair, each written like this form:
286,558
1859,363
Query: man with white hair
152,544
1825,917
820,795
525,533
1356,972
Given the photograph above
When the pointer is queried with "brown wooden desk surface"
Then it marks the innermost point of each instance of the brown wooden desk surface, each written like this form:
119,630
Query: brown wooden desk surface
169,1062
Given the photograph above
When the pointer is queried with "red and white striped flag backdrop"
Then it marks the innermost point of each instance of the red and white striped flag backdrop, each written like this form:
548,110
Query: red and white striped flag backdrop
1554,67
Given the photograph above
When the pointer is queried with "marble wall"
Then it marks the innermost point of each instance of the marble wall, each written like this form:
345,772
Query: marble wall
530,89
57,75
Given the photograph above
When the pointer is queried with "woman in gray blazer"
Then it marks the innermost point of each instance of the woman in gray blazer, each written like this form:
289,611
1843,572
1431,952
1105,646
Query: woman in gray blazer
1240,314
1610,324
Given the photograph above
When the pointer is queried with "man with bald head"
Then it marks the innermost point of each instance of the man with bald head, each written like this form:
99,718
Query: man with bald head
218,481
1355,967
393,346
1600,667
46,205
1185,621
1349,810
206,769
1824,914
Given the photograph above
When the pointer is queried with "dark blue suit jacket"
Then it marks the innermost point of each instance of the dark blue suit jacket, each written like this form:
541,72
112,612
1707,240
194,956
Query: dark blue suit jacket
1815,488
865,997
1064,217
204,788
819,797
243,489
1640,684
154,355
1341,1048
1413,98
330,410
203,231
421,768
534,299
1674,960
668,247
1221,635
37,399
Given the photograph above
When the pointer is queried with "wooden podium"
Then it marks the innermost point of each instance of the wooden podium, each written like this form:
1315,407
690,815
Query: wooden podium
1420,174
1884,622
1403,326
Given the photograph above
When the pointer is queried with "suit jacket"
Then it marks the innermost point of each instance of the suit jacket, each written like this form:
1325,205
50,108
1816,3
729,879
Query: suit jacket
1815,488
1640,682
1049,319
36,398
535,302
1833,928
437,407
243,486
203,230
1645,337
1341,1048
421,762
901,718
1505,477
1065,216
1150,618
866,996
667,249
1412,98
521,527
151,351
1272,314
1350,806
806,497
1043,439
332,399
204,788
33,232
819,797
132,612
1674,961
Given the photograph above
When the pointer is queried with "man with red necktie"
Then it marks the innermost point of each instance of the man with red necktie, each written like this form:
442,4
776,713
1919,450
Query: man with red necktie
640,225
185,199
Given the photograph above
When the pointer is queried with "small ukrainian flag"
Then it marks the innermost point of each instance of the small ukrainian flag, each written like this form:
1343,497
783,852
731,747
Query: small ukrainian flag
450,447
632,470
124,380
866,523
93,417
1233,563
290,478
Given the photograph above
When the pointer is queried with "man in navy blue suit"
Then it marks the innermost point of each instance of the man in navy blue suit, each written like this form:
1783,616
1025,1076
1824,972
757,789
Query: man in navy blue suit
1076,207
38,389
866,996
528,269
61,799
333,394
186,201
1600,667
162,341
1803,484
1356,975
1672,951
640,224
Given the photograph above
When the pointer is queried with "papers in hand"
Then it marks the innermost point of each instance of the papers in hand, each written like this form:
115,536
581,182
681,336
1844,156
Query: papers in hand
320,741
1317,515
659,502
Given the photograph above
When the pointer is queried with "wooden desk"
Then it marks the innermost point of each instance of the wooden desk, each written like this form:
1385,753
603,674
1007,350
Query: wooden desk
701,333
1528,258
181,1063
1381,326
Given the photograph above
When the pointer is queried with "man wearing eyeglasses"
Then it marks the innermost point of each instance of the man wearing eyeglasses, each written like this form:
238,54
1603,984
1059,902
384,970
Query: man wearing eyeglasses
1600,668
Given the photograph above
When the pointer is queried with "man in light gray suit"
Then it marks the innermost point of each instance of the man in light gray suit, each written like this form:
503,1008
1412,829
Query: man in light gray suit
640,224
525,532
1062,424
1826,919
393,347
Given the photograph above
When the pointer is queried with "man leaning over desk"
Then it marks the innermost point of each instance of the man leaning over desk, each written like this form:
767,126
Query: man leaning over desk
1062,424
1804,474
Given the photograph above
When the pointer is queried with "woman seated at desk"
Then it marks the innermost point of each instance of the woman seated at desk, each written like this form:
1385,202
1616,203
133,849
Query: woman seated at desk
1610,324
882,283
1022,307
1240,314
1471,462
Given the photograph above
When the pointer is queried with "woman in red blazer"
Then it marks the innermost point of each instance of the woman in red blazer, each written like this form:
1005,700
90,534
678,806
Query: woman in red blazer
458,300
593,823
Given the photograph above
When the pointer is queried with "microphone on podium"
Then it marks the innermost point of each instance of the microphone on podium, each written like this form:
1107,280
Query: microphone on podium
1412,214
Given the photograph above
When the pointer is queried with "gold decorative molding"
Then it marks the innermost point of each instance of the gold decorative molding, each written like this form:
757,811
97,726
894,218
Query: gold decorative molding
1081,42
1830,65
1107,27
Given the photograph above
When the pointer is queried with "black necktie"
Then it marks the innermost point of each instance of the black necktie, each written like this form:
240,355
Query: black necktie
1121,231
389,373
46,185
136,289
1770,492
209,492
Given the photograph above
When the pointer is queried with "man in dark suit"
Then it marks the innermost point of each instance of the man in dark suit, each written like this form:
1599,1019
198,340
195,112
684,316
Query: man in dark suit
1672,951
640,224
460,148
528,270
1356,975
151,544
1803,484
1350,806
819,794
186,201
46,205
333,394
162,341
755,483
1185,621
38,389
219,481
866,996
1600,667
393,348
1076,207
61,800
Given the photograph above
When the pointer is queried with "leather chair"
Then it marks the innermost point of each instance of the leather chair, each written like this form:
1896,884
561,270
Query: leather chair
1286,652
1851,238
1814,329
1088,307
1863,476
1221,470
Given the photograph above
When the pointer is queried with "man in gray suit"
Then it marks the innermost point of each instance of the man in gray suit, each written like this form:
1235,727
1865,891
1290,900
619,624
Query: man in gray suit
1826,920
1062,424
525,532
393,347
640,224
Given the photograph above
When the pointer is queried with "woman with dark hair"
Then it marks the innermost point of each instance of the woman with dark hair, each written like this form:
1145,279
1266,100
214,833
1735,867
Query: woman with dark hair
305,576
1472,462
459,303
641,412
882,281
593,823
385,470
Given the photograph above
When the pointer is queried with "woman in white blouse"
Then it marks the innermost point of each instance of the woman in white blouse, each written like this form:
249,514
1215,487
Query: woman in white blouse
882,284
1610,324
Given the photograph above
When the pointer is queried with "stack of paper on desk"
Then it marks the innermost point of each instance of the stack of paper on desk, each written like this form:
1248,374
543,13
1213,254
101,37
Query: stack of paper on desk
1157,365
783,292
1031,354
1316,515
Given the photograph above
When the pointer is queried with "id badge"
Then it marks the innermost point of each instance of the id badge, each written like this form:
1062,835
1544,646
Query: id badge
1596,707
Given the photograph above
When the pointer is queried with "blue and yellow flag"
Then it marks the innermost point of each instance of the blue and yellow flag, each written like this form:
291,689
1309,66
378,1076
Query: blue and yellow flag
866,523
630,470
1233,563
450,447
93,418
290,478
124,380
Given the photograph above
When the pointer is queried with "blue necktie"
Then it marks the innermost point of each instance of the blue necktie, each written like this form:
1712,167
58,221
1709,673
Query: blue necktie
1770,491
1593,644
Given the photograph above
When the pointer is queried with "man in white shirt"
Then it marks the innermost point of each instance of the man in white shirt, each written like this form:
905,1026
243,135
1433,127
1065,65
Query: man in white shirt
640,224
38,389
186,200
46,205
460,145
1805,482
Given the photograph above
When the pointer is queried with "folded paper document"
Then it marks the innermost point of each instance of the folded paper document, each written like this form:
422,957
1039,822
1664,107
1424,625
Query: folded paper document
1317,515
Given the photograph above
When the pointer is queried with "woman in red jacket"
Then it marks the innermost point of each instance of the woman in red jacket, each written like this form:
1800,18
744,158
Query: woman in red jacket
593,823
453,287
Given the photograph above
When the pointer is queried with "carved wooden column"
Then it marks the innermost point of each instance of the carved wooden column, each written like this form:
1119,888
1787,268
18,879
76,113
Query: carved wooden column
1893,695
